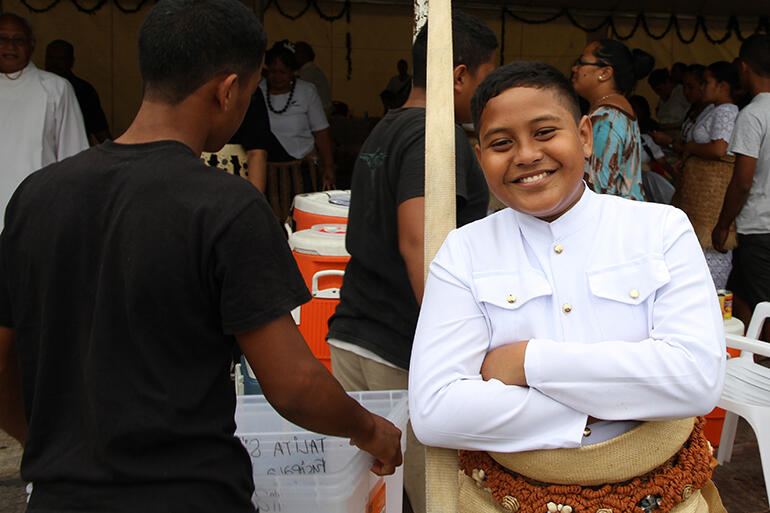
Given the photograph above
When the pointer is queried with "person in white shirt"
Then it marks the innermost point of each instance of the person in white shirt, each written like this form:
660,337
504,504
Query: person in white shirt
296,114
310,72
747,200
673,105
40,120
564,321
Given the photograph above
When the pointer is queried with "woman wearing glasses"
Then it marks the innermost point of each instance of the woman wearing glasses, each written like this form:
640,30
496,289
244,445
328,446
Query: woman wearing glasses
604,75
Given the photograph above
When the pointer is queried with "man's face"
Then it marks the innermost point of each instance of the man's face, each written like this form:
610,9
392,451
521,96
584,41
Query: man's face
15,45
533,152
466,86
58,60
692,88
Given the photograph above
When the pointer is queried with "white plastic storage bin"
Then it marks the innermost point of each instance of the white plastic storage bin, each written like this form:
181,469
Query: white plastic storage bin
297,471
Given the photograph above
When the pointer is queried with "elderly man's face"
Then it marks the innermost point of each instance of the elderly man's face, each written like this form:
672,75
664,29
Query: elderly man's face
15,45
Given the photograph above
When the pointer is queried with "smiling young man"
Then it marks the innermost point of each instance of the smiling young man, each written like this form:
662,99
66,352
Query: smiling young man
40,120
549,326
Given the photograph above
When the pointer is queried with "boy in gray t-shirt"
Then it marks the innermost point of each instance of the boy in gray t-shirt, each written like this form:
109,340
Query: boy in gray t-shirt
747,200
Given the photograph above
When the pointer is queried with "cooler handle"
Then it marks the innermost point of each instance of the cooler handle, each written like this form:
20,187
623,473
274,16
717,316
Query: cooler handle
287,227
321,274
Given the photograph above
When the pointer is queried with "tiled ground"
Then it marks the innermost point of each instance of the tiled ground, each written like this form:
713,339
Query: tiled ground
740,482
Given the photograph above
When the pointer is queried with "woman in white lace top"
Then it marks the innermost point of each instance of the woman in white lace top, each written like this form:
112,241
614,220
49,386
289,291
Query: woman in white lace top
712,131
708,140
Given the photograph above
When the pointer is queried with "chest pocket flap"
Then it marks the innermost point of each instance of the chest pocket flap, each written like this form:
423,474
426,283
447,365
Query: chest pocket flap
511,290
629,282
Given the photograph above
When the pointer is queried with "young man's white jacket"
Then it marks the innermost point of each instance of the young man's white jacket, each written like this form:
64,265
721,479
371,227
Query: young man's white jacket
620,310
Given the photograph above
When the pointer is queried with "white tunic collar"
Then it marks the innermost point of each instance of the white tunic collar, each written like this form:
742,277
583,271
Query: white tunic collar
581,215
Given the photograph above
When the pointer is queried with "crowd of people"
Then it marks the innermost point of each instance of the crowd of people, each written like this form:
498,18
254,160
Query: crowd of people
551,331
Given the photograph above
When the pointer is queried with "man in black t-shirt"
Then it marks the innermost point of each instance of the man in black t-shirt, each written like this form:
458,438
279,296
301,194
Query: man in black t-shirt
59,59
371,331
254,135
127,274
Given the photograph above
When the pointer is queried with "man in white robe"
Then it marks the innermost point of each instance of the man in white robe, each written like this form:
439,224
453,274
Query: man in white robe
40,120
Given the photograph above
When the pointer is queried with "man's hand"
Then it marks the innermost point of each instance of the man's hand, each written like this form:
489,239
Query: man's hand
506,363
384,443
719,237
661,138
328,180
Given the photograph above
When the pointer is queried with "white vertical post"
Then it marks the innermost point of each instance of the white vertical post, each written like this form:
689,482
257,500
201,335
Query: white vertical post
441,465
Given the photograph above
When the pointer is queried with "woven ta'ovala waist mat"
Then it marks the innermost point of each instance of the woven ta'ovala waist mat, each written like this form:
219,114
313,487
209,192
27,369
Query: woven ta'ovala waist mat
682,472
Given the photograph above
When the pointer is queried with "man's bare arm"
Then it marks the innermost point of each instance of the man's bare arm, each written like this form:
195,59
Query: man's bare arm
735,198
411,241
257,162
303,391
11,407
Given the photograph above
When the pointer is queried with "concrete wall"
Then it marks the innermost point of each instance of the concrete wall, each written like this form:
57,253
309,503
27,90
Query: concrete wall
105,48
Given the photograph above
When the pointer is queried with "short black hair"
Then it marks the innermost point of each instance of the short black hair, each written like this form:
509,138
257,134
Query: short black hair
538,75
185,43
282,51
697,70
658,77
678,67
63,44
628,65
473,44
301,47
724,71
755,51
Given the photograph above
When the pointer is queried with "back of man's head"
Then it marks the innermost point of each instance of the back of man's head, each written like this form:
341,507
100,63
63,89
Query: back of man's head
303,52
473,44
658,77
185,43
755,51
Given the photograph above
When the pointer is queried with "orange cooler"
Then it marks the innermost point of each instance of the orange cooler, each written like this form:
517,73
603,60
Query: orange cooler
320,207
321,257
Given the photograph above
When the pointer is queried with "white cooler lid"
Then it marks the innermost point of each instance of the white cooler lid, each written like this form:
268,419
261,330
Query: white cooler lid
326,203
320,239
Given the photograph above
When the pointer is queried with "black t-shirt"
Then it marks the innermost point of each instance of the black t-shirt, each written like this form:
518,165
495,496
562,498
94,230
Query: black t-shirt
125,271
254,132
90,106
378,310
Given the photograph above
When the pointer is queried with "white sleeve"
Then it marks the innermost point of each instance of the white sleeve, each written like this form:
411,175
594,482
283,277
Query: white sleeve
677,372
657,152
449,403
315,110
748,134
70,129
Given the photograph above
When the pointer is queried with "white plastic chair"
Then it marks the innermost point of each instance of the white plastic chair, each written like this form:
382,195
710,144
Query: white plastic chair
747,392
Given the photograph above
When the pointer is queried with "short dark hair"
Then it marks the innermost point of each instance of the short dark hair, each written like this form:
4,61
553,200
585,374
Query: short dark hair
473,43
185,43
724,71
628,65
282,51
658,77
301,47
755,51
678,67
697,70
538,75
63,44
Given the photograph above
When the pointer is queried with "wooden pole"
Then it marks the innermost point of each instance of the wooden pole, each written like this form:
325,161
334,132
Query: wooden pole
441,465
